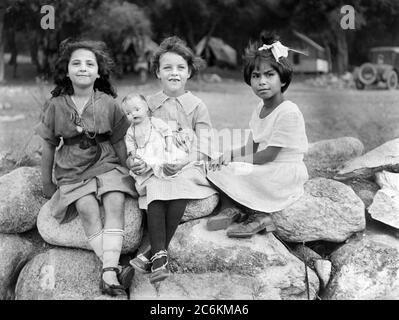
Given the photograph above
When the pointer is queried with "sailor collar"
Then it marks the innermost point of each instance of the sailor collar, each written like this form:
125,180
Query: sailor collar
187,100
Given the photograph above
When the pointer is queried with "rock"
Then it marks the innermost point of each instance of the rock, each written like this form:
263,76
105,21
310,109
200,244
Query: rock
209,265
306,254
71,234
329,210
388,180
365,189
385,206
200,208
61,274
323,270
14,252
366,268
325,155
20,199
384,157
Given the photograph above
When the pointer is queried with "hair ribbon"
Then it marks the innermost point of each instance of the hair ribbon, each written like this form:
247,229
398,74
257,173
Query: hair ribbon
279,50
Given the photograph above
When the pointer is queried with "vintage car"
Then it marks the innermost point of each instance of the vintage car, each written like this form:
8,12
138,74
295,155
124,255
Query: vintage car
383,67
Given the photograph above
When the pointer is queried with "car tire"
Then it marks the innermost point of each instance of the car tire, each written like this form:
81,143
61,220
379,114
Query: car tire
392,80
359,85
367,73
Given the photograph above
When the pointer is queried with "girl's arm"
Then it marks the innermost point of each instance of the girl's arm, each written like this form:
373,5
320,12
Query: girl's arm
203,131
48,151
249,148
121,151
249,153
260,157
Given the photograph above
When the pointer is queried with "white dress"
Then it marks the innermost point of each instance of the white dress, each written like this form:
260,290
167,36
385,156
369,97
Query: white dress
154,153
275,185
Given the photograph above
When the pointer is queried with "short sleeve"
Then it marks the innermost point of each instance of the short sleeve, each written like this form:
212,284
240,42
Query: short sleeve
203,131
45,128
120,124
289,131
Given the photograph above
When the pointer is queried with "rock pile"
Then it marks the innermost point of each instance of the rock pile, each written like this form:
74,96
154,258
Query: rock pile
325,230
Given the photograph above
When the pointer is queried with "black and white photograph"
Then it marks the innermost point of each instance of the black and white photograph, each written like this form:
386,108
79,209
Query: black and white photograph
199,156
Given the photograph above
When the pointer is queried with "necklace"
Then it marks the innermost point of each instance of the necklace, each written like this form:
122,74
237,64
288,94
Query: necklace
80,124
145,142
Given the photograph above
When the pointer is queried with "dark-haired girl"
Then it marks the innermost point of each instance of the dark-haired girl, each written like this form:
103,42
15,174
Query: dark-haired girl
165,200
268,174
83,131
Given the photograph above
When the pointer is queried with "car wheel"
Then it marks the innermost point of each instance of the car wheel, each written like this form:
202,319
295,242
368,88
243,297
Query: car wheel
359,85
367,73
392,80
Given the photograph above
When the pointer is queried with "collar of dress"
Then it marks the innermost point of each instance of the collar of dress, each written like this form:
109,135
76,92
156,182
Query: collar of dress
187,100
70,103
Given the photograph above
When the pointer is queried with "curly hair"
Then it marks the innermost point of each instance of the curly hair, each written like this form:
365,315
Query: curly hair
104,61
176,45
253,57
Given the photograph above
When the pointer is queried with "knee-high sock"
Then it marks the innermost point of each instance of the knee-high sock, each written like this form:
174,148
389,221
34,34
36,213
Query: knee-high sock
96,242
112,247
156,213
176,210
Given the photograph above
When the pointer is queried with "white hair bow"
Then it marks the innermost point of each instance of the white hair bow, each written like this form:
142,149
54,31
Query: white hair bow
278,50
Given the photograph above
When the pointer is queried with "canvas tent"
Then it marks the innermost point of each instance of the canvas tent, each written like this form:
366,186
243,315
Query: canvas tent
216,52
316,59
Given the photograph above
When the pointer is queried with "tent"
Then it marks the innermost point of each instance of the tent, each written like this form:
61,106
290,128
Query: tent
216,52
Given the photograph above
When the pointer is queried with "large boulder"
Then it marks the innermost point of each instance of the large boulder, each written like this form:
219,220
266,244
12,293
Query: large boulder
366,268
384,157
200,208
61,274
329,210
20,199
385,206
71,234
325,155
364,188
14,252
209,265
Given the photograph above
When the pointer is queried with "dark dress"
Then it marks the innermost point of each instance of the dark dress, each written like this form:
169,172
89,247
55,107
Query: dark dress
78,171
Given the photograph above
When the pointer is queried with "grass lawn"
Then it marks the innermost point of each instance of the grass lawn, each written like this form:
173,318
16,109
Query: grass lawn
371,115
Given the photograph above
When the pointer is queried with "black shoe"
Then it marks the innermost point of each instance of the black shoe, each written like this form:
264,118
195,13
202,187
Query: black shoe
125,276
111,289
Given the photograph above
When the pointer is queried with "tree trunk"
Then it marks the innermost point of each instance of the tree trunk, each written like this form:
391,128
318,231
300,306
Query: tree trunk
2,39
342,52
328,54
14,50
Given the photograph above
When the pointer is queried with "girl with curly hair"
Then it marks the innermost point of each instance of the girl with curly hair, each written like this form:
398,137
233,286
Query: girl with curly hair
83,130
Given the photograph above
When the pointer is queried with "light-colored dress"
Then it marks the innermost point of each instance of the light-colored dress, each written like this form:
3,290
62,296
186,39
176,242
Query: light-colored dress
184,113
154,152
275,185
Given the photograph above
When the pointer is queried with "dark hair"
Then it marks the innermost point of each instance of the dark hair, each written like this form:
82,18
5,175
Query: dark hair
104,61
253,56
176,45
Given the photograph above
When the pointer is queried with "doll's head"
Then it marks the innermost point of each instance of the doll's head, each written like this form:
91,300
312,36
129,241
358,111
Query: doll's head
69,49
136,108
255,55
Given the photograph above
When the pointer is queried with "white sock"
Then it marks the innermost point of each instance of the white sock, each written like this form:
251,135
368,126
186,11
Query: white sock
112,247
96,242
